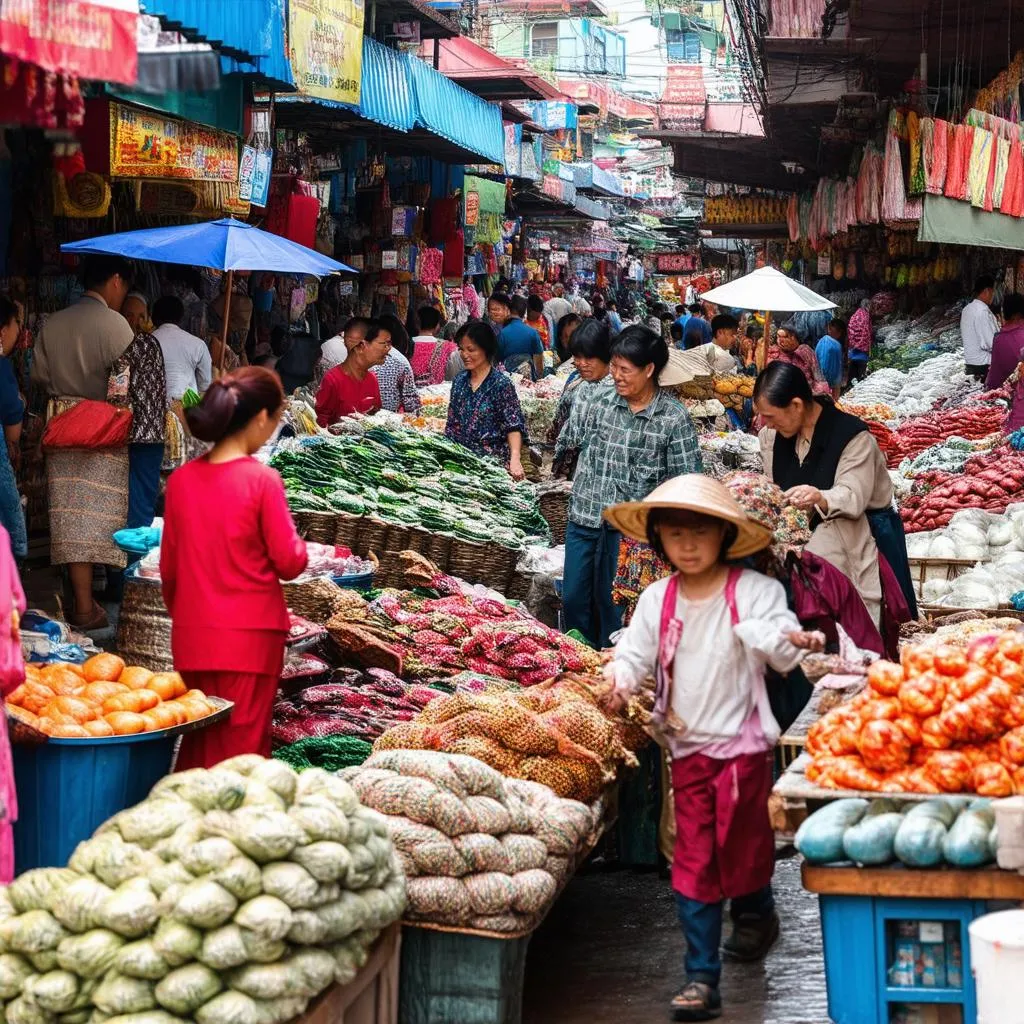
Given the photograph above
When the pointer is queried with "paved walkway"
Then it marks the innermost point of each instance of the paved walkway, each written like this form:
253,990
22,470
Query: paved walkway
611,953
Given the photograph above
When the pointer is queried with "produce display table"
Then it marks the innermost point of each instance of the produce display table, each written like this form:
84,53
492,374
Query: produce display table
371,997
896,937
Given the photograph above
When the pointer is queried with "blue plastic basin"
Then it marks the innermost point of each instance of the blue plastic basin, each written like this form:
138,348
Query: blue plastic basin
67,788
360,581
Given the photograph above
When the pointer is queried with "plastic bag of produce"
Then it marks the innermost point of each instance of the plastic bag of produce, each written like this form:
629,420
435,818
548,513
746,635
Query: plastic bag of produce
315,969
131,909
241,877
163,877
54,992
184,990
14,970
141,960
223,948
207,789
229,1008
147,1017
320,819
261,950
90,955
278,777
112,860
291,883
176,942
35,890
317,782
204,904
25,1011
35,931
264,835
78,906
152,820
266,916
119,994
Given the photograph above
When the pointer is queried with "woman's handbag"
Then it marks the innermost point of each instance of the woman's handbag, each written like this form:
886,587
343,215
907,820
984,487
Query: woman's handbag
88,424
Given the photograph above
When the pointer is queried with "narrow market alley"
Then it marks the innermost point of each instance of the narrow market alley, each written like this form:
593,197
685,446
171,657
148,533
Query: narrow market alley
611,953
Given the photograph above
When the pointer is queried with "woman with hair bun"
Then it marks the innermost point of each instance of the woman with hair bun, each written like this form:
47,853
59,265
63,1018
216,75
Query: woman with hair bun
228,540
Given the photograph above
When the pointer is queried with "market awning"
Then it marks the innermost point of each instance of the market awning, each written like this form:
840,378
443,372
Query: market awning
89,39
951,221
484,73
590,177
448,110
237,28
386,95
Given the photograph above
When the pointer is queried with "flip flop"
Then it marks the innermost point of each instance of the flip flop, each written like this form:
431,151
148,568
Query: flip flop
697,1001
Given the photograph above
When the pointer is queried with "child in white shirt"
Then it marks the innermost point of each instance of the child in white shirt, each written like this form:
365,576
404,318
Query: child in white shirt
707,633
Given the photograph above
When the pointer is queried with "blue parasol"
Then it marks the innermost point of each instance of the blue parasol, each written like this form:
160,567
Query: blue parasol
226,244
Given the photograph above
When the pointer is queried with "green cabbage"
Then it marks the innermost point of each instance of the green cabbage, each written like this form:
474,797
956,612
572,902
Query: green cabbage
261,950
307,929
207,789
44,961
316,781
267,981
183,991
112,860
54,992
25,1011
141,960
290,883
342,917
176,942
152,820
325,861
34,932
264,835
35,890
224,948
14,970
180,841
277,1011
167,875
204,904
209,855
259,795
315,967
146,1017
277,776
229,1008
119,994
77,906
320,819
90,955
131,910
76,1017
241,764
266,916
241,877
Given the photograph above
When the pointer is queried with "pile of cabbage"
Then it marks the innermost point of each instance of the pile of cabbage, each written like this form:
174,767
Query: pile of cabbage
479,850
914,393
233,895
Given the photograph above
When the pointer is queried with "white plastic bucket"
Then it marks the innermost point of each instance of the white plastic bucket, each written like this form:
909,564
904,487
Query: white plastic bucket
997,961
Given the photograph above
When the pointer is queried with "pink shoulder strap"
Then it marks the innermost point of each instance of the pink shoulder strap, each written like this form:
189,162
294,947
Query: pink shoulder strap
668,605
730,593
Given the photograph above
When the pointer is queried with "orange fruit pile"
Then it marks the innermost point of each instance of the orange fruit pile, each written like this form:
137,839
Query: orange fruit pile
104,697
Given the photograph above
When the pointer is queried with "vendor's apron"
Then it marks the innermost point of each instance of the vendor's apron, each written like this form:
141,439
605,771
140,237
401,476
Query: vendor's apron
724,845
891,541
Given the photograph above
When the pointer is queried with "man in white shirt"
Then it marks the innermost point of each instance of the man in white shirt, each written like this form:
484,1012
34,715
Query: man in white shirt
978,328
187,361
557,306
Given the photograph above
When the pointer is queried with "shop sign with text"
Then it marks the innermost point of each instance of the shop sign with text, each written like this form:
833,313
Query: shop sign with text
326,48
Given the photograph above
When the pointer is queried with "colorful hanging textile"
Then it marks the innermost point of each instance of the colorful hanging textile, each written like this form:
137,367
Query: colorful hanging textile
959,161
916,177
894,195
1012,202
935,161
977,170
1002,163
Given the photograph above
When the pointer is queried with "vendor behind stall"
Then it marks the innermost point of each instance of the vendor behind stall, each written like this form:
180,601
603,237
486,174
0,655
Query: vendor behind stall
228,540
351,387
829,464
1007,353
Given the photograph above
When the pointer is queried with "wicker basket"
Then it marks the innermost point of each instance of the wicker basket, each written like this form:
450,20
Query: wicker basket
496,568
438,548
347,529
318,599
397,538
373,536
418,538
319,527
144,626
466,558
924,569
553,499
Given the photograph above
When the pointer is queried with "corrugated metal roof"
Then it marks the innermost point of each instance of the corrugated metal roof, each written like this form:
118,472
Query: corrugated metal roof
386,95
231,26
448,110
265,20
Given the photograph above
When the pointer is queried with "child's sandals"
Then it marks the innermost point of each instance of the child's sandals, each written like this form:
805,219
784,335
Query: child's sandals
697,1001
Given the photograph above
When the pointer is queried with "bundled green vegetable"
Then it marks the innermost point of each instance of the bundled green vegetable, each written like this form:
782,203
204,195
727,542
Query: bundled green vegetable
235,893
402,476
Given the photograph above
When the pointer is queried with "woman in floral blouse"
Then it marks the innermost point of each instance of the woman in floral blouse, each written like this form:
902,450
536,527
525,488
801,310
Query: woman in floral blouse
484,412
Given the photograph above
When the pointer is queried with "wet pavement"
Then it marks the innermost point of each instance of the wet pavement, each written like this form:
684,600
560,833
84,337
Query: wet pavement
611,952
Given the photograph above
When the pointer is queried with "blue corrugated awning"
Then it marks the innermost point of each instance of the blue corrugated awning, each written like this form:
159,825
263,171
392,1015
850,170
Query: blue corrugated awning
232,26
454,113
386,95
266,23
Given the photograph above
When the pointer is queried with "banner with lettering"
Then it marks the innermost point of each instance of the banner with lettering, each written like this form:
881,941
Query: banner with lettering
326,48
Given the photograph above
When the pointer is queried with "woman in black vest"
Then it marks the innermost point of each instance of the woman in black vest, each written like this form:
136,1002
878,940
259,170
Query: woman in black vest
828,463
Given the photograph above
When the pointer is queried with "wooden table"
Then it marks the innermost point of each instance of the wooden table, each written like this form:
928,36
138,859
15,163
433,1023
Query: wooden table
898,882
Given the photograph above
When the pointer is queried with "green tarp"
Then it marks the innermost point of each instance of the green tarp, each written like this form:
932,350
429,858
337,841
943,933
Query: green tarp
956,221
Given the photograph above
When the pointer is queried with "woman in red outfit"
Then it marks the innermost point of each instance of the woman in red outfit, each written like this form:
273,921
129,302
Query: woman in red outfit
228,540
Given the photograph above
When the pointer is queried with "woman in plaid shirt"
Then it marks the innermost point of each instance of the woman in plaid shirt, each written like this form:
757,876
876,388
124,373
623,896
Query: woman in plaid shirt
631,438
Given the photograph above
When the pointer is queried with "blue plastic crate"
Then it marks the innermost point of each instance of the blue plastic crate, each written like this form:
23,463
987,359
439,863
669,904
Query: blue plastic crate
856,949
68,788
358,581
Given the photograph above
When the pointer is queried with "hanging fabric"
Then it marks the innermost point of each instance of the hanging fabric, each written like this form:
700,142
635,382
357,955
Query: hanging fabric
935,176
977,172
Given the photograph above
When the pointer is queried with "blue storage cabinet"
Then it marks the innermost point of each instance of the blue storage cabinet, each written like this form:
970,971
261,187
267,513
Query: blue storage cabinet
858,954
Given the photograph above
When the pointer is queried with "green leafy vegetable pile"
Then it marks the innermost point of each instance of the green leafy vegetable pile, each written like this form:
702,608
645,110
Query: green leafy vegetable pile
413,479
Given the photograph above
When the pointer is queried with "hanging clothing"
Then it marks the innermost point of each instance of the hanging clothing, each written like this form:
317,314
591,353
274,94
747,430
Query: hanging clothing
935,173
12,675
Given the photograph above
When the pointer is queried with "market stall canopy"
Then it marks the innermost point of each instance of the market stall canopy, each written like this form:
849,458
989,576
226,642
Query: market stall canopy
768,289
225,244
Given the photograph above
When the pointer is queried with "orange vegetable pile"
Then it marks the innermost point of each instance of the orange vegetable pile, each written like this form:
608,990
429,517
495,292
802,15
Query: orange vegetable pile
104,697
943,720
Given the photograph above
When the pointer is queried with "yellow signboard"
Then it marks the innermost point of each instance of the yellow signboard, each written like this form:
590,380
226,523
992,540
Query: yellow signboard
325,42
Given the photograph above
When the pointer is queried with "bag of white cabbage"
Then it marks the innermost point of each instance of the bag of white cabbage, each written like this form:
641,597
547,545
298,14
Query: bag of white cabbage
232,894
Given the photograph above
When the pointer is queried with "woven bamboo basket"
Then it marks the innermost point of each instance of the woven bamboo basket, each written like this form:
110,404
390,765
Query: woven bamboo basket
438,548
320,527
397,538
373,536
466,558
347,529
418,538
497,568
554,507
144,626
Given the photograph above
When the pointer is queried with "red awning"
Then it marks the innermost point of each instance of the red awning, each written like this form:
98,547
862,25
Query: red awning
607,100
485,73
83,38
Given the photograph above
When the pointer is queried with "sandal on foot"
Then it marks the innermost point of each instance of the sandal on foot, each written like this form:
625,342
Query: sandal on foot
92,621
697,1001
